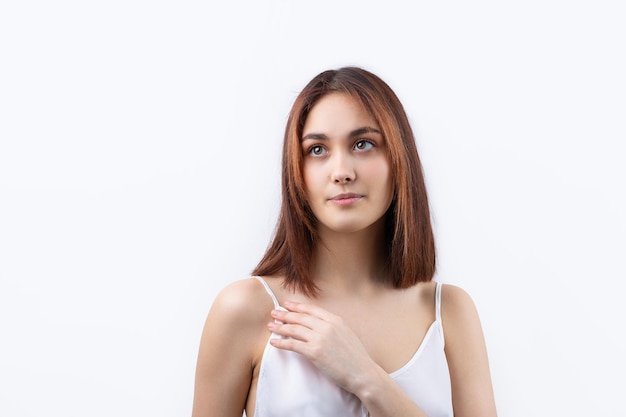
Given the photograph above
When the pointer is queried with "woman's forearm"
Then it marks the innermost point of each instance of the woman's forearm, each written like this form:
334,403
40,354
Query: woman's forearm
382,397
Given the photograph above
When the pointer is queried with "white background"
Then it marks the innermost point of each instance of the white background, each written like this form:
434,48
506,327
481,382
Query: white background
139,174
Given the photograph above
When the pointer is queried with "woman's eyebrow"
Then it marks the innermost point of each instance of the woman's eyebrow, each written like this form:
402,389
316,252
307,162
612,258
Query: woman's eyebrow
363,130
356,132
314,136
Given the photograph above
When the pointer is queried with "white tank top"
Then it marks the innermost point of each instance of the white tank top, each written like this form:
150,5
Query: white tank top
290,385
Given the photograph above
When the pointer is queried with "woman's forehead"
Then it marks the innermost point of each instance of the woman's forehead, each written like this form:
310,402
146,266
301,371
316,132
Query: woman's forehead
338,113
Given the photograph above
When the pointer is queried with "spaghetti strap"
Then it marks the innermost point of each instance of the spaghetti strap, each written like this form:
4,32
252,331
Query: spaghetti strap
438,311
438,302
269,291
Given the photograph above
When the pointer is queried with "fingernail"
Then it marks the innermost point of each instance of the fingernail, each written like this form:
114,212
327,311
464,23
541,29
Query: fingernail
275,313
289,303
271,326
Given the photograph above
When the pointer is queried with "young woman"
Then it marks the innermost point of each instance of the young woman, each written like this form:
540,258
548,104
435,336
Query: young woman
342,317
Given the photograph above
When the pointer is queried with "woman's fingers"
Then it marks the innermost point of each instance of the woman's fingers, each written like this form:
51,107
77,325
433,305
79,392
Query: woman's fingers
301,318
301,325
286,344
295,331
303,314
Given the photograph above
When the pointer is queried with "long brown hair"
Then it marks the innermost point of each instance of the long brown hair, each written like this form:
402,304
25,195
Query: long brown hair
409,240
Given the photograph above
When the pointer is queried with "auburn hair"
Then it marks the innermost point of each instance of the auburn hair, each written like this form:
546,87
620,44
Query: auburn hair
409,241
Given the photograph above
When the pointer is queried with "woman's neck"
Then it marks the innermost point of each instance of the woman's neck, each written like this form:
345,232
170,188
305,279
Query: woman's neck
349,261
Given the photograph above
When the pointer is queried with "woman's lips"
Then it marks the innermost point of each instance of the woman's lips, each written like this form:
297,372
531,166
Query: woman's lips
345,199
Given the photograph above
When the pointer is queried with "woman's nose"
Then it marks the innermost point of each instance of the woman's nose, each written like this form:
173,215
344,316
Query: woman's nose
343,171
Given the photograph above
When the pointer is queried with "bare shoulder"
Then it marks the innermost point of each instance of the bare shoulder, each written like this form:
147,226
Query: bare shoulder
456,302
243,302
232,341
459,316
238,317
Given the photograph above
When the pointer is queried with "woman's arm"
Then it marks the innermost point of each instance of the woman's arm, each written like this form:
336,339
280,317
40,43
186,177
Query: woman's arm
232,332
472,392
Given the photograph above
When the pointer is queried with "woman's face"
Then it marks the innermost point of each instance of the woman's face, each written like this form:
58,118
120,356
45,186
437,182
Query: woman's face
346,168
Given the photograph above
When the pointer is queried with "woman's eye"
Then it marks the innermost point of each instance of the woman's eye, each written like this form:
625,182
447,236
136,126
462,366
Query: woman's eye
317,150
363,145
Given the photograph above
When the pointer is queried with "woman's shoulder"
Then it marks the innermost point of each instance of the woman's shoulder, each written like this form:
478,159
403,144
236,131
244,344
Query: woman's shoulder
459,315
456,301
243,301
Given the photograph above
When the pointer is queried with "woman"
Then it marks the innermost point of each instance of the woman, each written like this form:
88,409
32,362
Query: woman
342,317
